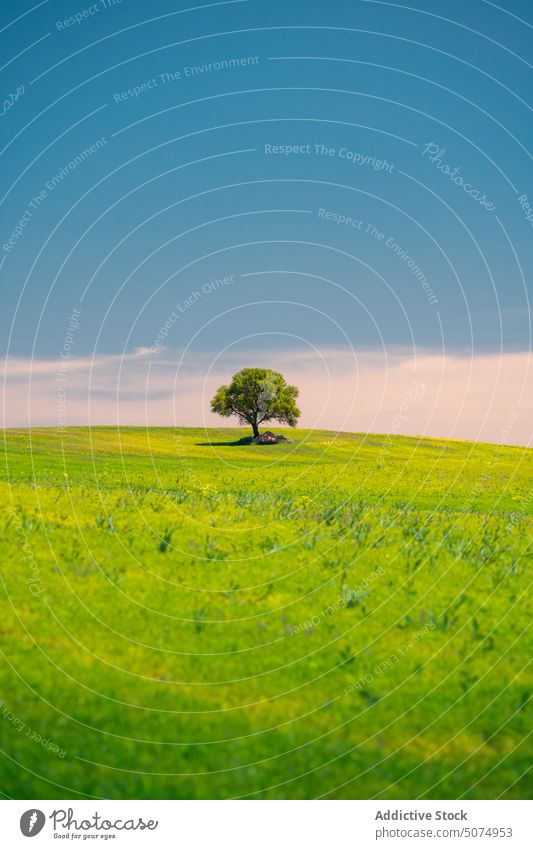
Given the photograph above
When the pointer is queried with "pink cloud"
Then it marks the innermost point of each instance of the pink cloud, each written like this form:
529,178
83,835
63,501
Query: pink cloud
486,397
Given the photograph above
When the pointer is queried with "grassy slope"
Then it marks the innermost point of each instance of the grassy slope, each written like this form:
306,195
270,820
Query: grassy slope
202,613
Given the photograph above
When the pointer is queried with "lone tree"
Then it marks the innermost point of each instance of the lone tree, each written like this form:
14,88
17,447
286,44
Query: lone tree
257,395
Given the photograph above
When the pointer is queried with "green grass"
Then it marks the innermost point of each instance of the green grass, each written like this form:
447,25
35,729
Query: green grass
342,616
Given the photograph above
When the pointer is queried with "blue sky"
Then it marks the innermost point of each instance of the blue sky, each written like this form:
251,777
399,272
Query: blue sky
312,153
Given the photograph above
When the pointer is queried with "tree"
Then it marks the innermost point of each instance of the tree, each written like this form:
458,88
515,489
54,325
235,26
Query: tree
257,395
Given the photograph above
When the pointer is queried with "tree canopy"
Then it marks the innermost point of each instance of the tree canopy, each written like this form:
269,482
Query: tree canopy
257,395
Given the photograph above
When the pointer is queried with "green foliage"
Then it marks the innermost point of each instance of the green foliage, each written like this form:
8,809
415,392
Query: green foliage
257,395
212,620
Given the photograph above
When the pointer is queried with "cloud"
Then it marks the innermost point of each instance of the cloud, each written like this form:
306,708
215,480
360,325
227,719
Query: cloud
484,397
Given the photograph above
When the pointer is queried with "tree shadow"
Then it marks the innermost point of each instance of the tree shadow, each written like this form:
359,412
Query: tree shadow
246,440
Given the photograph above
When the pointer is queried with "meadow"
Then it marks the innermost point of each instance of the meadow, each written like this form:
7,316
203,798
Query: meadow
341,616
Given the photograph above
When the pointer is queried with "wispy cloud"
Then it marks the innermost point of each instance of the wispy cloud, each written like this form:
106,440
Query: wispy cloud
485,397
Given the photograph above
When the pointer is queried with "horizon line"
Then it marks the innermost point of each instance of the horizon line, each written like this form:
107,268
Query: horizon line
385,434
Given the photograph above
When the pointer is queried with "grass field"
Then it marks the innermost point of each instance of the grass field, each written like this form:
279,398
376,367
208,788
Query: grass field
342,616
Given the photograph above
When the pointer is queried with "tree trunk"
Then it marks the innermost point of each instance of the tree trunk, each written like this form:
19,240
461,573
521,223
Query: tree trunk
255,429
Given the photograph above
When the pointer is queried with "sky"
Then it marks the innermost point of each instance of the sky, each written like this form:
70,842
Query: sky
339,191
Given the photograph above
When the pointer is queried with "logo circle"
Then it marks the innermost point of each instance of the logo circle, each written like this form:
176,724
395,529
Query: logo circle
32,822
